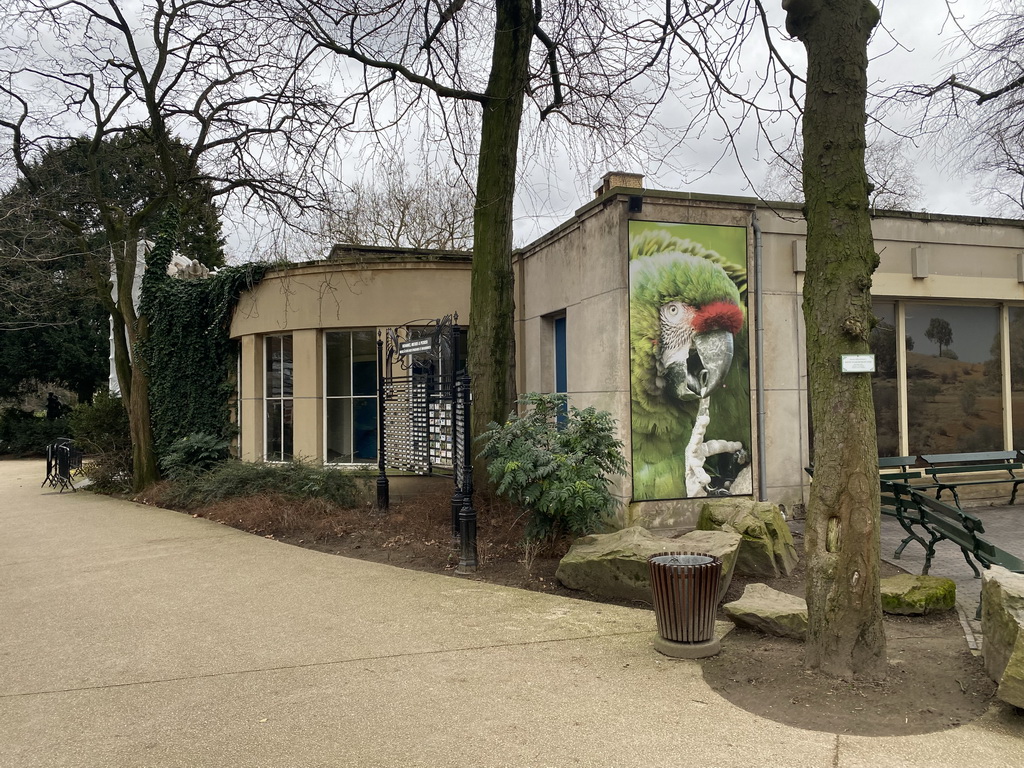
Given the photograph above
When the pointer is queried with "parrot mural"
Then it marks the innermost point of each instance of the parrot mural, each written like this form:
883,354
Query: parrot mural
689,364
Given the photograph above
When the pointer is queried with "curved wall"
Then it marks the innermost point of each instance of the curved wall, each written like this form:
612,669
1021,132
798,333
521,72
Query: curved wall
376,290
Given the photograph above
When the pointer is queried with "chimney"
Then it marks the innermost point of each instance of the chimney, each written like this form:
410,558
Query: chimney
619,179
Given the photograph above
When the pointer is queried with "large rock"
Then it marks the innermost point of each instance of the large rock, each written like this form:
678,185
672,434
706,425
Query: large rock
615,564
909,595
1002,625
767,550
767,610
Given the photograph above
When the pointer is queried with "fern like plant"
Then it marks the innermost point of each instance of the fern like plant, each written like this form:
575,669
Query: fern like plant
555,461
197,452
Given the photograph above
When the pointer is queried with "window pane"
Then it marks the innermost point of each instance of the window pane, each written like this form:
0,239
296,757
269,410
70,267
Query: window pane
561,373
273,365
954,386
883,380
1017,373
286,366
339,431
287,431
364,363
274,430
338,360
365,428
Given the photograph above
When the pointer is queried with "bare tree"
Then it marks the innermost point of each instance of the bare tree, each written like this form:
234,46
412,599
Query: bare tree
474,66
431,210
411,50
213,73
892,176
977,110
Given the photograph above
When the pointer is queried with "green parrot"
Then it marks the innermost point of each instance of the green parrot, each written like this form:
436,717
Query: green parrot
689,377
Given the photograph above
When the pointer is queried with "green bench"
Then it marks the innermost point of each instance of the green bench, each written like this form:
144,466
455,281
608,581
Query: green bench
896,503
944,522
941,519
949,471
900,463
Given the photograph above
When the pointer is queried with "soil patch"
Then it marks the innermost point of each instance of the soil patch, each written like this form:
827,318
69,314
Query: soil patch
934,681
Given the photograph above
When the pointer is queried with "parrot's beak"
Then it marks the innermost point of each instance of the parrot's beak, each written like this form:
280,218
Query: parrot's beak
707,365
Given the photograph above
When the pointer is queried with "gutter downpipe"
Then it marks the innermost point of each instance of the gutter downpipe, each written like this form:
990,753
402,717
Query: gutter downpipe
762,482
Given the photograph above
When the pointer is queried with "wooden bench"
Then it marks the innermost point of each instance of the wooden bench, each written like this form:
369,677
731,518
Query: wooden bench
945,522
949,471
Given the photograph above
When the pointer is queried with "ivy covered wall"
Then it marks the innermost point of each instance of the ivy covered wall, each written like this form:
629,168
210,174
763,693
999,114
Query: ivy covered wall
190,356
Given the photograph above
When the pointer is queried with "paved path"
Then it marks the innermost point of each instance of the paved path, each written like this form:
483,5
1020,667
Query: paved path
132,636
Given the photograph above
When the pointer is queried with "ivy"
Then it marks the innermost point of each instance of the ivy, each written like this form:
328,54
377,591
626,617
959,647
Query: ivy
190,357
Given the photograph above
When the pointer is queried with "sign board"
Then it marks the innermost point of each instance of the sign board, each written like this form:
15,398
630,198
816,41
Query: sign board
416,346
858,363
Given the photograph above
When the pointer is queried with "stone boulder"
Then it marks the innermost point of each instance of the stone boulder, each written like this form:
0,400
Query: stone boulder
909,595
767,610
615,564
767,550
1002,625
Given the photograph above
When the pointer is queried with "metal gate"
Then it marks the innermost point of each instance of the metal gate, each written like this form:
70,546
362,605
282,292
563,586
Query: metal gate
423,416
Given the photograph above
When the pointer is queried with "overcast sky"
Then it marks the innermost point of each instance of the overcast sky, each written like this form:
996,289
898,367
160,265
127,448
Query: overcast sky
912,45
554,190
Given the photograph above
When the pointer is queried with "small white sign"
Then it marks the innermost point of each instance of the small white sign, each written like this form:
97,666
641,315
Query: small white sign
858,363
416,346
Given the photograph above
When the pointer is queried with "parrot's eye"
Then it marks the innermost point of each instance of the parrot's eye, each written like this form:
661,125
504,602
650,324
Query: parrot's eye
674,312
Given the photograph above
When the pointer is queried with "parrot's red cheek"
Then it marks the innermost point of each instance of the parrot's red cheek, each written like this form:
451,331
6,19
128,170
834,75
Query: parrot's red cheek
718,316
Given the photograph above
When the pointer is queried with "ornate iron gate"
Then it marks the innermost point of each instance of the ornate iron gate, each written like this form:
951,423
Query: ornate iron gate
423,416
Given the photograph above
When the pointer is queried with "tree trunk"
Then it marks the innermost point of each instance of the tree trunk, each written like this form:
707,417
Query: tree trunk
140,421
845,635
136,396
492,303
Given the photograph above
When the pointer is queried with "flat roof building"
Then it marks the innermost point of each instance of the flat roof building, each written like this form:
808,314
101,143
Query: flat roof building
680,314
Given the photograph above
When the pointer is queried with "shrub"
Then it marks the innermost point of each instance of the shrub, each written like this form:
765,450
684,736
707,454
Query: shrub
924,391
554,461
969,398
102,426
193,453
101,430
233,479
25,434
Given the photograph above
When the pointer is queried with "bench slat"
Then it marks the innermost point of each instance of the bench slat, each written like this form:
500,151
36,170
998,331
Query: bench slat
968,458
972,468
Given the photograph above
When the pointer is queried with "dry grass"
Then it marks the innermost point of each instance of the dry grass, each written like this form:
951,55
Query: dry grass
269,514
416,532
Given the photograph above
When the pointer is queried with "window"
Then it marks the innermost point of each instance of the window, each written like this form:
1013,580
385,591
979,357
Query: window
278,396
884,381
561,371
954,378
1016,335
350,364
560,367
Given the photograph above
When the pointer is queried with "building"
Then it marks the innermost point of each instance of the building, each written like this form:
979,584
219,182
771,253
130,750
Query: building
680,314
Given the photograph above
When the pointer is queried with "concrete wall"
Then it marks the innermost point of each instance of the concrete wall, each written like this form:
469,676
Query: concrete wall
581,269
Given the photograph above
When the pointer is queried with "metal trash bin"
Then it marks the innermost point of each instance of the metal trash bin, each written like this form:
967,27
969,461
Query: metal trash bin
685,590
